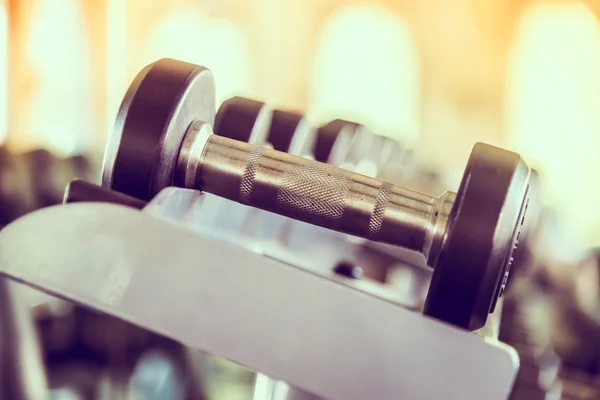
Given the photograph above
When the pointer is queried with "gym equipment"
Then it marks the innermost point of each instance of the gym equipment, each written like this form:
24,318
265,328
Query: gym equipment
163,137
327,333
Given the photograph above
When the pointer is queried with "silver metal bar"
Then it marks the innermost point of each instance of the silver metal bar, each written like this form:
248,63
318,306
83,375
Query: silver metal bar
313,192
332,340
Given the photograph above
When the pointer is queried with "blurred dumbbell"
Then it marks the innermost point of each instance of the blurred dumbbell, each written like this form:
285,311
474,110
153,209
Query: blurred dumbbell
254,122
35,179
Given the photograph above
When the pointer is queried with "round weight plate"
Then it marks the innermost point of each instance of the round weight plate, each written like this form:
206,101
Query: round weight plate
162,101
282,130
483,229
333,140
243,119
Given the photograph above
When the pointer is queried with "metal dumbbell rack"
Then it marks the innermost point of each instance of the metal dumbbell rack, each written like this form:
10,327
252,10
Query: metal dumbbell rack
328,249
334,337
341,143
272,311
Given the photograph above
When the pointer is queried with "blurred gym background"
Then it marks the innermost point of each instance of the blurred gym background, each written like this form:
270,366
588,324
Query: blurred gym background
436,74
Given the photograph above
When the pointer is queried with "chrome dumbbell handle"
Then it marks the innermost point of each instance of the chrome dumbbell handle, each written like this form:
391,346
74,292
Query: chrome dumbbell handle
313,192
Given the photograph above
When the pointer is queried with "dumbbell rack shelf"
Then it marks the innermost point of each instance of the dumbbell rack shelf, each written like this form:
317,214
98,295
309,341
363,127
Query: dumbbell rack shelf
329,335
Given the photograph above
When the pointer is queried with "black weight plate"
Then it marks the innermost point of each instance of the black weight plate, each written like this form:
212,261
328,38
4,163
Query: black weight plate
282,130
482,231
330,136
161,103
243,119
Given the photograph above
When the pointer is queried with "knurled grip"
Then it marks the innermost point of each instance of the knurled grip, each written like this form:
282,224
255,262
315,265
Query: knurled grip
314,192
249,175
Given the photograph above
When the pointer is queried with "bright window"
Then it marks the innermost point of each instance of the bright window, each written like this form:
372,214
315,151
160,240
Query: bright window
216,44
553,108
60,113
3,73
366,69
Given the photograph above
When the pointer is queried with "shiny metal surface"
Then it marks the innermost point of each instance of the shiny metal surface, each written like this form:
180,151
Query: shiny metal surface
337,342
316,193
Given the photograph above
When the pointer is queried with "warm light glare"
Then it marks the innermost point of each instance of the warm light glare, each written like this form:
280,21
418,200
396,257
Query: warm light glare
116,59
216,44
3,73
554,108
366,69
60,114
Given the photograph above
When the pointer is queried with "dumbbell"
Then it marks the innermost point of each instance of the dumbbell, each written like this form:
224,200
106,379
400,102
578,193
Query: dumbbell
163,137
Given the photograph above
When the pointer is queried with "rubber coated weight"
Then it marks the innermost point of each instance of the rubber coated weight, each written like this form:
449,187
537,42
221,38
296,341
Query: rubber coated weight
333,141
291,133
283,126
253,122
243,119
163,100
474,262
